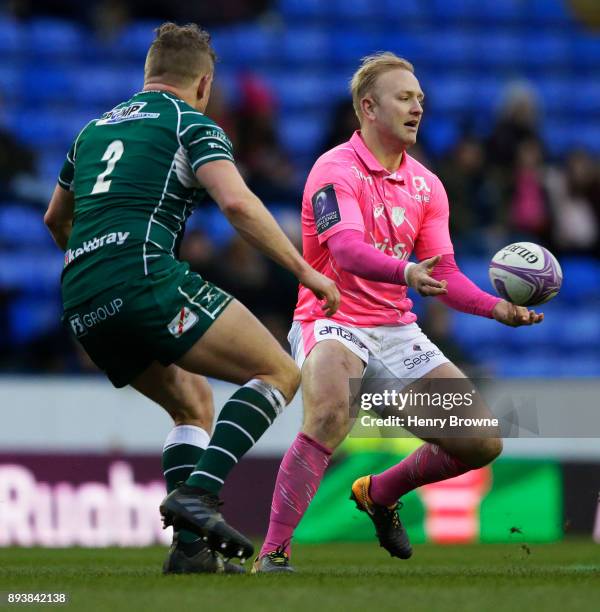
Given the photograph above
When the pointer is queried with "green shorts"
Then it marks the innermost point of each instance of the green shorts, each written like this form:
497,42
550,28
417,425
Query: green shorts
154,318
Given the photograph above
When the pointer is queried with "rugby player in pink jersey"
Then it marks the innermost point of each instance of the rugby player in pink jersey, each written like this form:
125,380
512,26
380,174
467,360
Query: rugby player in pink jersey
367,207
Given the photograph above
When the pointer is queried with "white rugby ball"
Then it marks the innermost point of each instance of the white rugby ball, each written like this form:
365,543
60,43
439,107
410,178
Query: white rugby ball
525,274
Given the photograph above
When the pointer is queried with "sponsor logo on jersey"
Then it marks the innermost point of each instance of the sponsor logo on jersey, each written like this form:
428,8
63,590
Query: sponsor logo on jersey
399,250
419,184
80,323
325,208
424,357
126,113
94,244
185,319
341,332
378,210
361,176
398,213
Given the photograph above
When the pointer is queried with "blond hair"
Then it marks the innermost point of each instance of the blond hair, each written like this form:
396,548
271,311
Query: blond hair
179,54
363,80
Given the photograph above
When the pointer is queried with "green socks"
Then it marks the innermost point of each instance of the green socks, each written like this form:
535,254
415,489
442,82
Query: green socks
242,421
183,449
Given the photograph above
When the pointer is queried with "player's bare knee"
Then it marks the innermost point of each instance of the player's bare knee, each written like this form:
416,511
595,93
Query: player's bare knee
286,378
328,421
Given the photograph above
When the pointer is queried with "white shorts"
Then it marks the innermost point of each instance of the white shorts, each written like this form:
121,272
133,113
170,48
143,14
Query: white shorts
400,352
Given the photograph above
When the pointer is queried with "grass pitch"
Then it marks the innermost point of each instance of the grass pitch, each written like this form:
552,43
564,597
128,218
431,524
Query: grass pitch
478,578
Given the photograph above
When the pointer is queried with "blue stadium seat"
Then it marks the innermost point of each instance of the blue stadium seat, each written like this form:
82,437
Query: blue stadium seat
533,365
224,42
301,132
439,134
47,128
451,48
461,11
21,225
106,85
558,137
497,12
36,272
354,9
52,84
414,46
585,51
555,93
543,51
12,38
55,38
256,45
30,317
498,50
303,90
10,81
133,42
50,161
406,13
296,10
585,96
471,331
300,46
348,46
581,279
547,12
450,95
580,364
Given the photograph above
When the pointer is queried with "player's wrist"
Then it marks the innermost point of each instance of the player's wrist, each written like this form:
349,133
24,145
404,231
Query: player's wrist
408,265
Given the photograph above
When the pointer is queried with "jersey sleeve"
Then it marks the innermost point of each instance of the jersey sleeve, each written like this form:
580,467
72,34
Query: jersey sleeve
434,234
205,143
67,172
333,194
65,177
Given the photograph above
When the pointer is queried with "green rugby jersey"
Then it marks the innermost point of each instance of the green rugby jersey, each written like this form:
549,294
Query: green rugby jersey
133,175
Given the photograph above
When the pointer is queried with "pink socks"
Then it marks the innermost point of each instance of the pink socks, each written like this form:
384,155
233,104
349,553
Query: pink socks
429,463
299,477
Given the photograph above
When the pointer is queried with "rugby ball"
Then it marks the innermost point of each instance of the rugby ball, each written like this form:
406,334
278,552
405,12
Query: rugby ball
525,274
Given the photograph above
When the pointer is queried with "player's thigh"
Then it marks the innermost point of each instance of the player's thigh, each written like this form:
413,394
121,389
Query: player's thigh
477,445
237,347
326,391
185,396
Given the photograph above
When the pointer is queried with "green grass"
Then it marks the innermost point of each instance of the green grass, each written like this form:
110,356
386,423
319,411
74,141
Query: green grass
563,576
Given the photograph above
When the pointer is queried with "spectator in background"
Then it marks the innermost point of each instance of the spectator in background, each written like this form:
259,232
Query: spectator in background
575,200
342,124
529,213
517,121
477,213
266,167
16,161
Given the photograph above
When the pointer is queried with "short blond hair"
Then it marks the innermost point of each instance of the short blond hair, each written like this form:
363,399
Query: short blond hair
179,53
363,80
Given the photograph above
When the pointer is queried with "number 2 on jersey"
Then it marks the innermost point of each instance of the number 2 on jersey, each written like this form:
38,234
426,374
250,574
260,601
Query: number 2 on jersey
112,155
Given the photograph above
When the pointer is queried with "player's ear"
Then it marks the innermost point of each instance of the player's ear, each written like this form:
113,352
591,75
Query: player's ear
204,84
367,105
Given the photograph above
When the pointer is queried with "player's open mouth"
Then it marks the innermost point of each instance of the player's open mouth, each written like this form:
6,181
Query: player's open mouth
412,124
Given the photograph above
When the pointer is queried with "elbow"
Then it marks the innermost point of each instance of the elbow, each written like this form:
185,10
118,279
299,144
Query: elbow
234,208
50,221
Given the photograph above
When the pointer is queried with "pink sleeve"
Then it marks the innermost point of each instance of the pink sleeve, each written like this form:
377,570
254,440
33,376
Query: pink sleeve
354,255
334,192
434,236
463,294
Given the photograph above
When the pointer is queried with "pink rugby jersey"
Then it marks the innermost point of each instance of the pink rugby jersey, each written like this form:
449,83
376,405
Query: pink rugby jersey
398,213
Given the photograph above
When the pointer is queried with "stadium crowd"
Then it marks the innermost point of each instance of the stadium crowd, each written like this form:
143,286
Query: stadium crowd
503,185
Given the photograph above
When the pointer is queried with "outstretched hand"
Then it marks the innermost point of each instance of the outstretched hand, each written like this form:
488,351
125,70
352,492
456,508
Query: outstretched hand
515,316
418,277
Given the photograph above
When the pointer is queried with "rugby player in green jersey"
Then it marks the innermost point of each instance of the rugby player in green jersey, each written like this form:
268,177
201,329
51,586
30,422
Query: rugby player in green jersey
129,183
